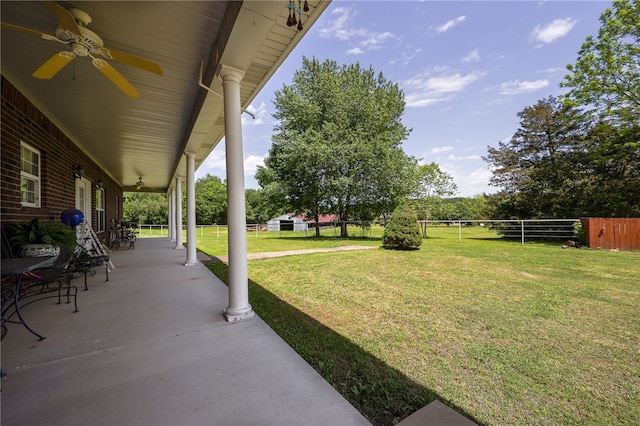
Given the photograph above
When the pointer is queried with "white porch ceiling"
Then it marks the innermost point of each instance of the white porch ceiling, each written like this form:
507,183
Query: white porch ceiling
147,136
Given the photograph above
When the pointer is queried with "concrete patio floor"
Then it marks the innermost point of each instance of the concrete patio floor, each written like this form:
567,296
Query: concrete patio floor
151,347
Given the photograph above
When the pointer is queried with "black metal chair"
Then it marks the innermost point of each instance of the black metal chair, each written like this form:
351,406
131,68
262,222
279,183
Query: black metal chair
41,283
87,265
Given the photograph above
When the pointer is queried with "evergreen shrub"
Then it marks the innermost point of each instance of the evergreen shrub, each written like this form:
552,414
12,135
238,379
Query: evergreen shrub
402,232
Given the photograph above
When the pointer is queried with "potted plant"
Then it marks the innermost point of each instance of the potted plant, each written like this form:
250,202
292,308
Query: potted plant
38,238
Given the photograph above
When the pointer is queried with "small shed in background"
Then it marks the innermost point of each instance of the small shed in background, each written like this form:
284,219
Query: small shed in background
286,222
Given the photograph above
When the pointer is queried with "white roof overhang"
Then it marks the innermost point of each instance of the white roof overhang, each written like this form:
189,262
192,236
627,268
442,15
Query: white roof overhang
147,136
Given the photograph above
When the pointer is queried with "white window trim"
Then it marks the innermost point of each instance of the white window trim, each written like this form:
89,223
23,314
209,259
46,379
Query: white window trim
37,179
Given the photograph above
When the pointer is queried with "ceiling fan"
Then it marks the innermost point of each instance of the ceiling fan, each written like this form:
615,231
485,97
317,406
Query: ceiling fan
141,186
71,30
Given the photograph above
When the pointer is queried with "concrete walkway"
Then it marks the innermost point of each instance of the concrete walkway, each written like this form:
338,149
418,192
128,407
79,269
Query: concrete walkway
151,347
271,254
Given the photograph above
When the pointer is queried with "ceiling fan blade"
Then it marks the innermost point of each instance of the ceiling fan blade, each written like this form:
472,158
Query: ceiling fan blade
32,32
52,66
117,78
64,18
129,59
23,30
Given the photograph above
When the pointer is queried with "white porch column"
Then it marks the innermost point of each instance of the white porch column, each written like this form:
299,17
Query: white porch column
172,215
169,214
239,307
191,210
179,245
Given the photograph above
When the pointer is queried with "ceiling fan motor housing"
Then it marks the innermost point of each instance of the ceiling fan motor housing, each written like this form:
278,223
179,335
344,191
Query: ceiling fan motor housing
90,42
81,17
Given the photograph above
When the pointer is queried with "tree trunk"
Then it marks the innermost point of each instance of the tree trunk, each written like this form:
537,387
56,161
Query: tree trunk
343,230
317,218
424,224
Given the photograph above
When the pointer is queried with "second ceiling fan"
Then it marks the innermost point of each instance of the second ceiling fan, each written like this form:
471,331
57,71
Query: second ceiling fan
71,30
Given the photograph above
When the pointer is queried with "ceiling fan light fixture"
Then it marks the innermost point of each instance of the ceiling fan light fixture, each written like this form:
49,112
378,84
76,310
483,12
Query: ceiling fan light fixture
79,49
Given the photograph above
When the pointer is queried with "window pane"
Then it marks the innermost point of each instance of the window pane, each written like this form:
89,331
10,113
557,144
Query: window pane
35,160
29,161
100,209
99,199
28,190
30,175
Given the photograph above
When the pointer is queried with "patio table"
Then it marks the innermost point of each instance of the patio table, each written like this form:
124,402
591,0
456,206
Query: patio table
18,267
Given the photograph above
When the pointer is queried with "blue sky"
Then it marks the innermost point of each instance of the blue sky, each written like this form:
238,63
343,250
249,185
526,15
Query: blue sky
466,69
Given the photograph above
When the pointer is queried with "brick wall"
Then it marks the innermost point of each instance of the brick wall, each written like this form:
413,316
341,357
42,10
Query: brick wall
22,121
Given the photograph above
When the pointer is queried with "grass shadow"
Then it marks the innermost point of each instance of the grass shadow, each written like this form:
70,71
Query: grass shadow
384,395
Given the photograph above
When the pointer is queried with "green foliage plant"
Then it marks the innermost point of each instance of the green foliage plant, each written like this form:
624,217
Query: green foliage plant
403,231
211,200
606,74
431,185
37,231
579,232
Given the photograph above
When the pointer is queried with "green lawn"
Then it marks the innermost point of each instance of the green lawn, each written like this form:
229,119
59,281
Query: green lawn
503,333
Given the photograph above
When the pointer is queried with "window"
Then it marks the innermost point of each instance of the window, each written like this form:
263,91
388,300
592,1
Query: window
100,209
29,175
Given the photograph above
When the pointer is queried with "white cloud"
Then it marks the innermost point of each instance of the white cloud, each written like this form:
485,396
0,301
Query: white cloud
427,89
454,157
478,181
216,160
260,112
341,27
251,164
552,70
355,51
376,39
469,183
480,176
440,149
216,165
516,86
553,31
406,57
450,24
473,56
338,27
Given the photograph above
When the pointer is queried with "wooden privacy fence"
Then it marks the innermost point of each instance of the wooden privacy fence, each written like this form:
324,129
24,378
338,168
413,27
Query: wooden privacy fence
612,233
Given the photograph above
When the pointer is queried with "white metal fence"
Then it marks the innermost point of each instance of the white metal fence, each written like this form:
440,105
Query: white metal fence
531,229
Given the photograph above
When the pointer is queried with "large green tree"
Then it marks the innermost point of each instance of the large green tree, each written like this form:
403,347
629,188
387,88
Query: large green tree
543,169
337,145
606,80
211,200
432,184
458,208
146,208
606,75
259,211
614,155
